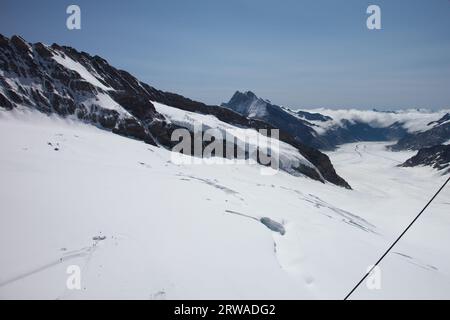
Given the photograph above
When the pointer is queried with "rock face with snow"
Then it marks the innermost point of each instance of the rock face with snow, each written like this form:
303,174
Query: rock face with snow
60,80
437,157
438,132
315,116
249,105
444,119
55,79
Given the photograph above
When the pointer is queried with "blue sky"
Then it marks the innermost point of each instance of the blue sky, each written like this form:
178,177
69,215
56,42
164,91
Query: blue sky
312,53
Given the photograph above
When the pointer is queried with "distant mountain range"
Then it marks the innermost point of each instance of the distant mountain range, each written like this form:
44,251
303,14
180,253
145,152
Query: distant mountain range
326,129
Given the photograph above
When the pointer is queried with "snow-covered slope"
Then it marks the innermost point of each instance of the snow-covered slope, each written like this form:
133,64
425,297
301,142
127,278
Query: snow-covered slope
70,64
186,231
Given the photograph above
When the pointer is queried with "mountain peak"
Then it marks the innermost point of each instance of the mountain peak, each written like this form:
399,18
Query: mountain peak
250,94
246,95
247,104
20,44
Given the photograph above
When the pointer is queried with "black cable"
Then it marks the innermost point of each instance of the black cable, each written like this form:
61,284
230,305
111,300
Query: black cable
395,242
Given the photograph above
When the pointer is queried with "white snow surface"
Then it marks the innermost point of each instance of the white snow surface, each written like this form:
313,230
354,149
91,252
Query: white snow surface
70,64
179,231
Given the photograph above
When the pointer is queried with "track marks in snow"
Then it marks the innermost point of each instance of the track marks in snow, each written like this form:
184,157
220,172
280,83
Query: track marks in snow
242,215
347,217
334,212
380,156
213,183
81,253
357,151
85,252
416,262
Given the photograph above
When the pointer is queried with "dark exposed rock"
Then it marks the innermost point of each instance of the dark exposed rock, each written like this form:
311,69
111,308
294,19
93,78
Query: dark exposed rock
437,157
133,129
162,131
20,44
5,103
63,106
43,51
310,172
81,85
441,121
313,116
14,96
438,133
3,41
139,106
322,162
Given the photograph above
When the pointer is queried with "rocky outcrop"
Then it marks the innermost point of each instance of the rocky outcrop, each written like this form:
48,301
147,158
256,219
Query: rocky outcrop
437,157
31,77
438,133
